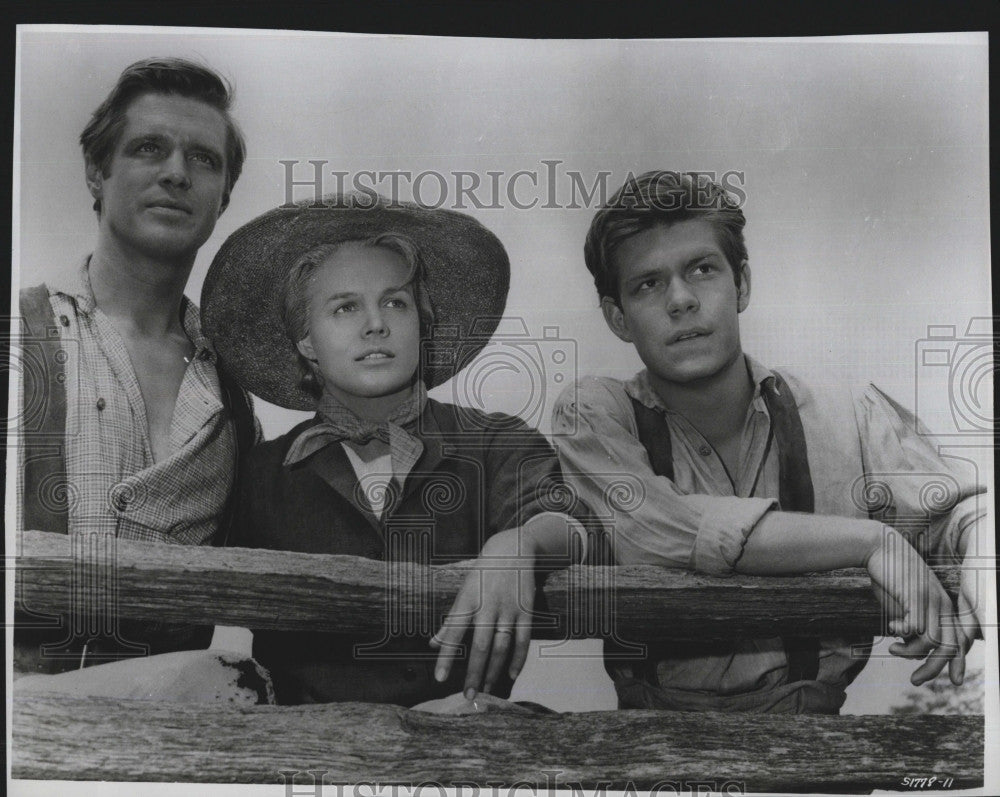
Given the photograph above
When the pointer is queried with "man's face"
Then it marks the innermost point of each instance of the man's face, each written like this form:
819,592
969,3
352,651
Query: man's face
679,302
166,182
364,327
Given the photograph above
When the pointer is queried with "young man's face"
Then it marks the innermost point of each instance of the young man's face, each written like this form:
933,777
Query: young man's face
679,301
364,327
166,181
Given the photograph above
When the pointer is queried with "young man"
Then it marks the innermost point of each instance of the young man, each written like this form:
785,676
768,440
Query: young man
138,430
749,470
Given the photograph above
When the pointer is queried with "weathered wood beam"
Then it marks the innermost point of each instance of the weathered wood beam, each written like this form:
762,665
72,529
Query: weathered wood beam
282,590
354,742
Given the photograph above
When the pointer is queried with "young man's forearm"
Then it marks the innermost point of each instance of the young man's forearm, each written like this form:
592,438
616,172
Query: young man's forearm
784,543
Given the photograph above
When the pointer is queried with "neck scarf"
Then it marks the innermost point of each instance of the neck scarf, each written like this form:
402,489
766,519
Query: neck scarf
338,424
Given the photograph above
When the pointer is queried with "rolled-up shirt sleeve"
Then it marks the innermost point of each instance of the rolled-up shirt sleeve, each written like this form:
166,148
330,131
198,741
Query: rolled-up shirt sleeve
915,489
647,519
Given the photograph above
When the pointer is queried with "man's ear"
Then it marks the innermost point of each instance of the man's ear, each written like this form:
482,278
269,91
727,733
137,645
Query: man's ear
743,287
94,178
305,348
615,318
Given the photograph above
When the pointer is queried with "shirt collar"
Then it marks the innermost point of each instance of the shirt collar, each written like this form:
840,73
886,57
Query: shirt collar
641,389
191,319
78,287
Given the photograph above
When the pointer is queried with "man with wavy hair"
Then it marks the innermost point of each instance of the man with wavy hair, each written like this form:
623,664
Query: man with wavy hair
750,470
139,429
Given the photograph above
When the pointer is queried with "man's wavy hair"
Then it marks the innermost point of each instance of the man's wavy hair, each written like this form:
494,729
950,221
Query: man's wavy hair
295,305
161,76
661,197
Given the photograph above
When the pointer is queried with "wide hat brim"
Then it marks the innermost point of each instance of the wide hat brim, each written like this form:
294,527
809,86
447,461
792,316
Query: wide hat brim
467,274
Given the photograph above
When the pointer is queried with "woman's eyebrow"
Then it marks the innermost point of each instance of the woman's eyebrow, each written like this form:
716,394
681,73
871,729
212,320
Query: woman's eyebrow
406,286
340,295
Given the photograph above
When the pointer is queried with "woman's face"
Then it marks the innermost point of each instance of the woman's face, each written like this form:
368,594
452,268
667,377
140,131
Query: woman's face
364,328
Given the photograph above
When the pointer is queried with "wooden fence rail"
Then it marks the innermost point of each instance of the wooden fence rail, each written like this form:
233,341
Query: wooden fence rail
294,591
364,742
104,739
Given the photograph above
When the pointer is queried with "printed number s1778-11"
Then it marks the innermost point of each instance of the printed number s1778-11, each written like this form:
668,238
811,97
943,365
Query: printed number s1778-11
927,783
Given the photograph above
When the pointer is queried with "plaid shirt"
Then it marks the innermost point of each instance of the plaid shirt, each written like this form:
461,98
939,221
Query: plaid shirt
115,486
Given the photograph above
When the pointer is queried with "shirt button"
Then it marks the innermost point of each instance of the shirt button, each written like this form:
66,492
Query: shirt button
121,501
704,450
410,674
101,404
64,320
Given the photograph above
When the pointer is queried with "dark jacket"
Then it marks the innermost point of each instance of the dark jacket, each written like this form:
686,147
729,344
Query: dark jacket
478,474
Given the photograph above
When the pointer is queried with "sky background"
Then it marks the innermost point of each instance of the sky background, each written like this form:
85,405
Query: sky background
864,163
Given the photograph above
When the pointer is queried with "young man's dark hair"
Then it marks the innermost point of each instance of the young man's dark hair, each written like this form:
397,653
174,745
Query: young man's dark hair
661,197
175,76
746,469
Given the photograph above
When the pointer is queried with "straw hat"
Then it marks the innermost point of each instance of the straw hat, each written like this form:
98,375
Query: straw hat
467,274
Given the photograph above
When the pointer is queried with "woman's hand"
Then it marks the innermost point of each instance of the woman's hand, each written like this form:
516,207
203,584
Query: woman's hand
497,599
921,611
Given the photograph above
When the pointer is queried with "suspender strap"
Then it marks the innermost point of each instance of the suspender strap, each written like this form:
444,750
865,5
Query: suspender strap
795,494
238,403
43,415
795,488
655,438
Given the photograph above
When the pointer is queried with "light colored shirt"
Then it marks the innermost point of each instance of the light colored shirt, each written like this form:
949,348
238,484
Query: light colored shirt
868,457
115,486
864,451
